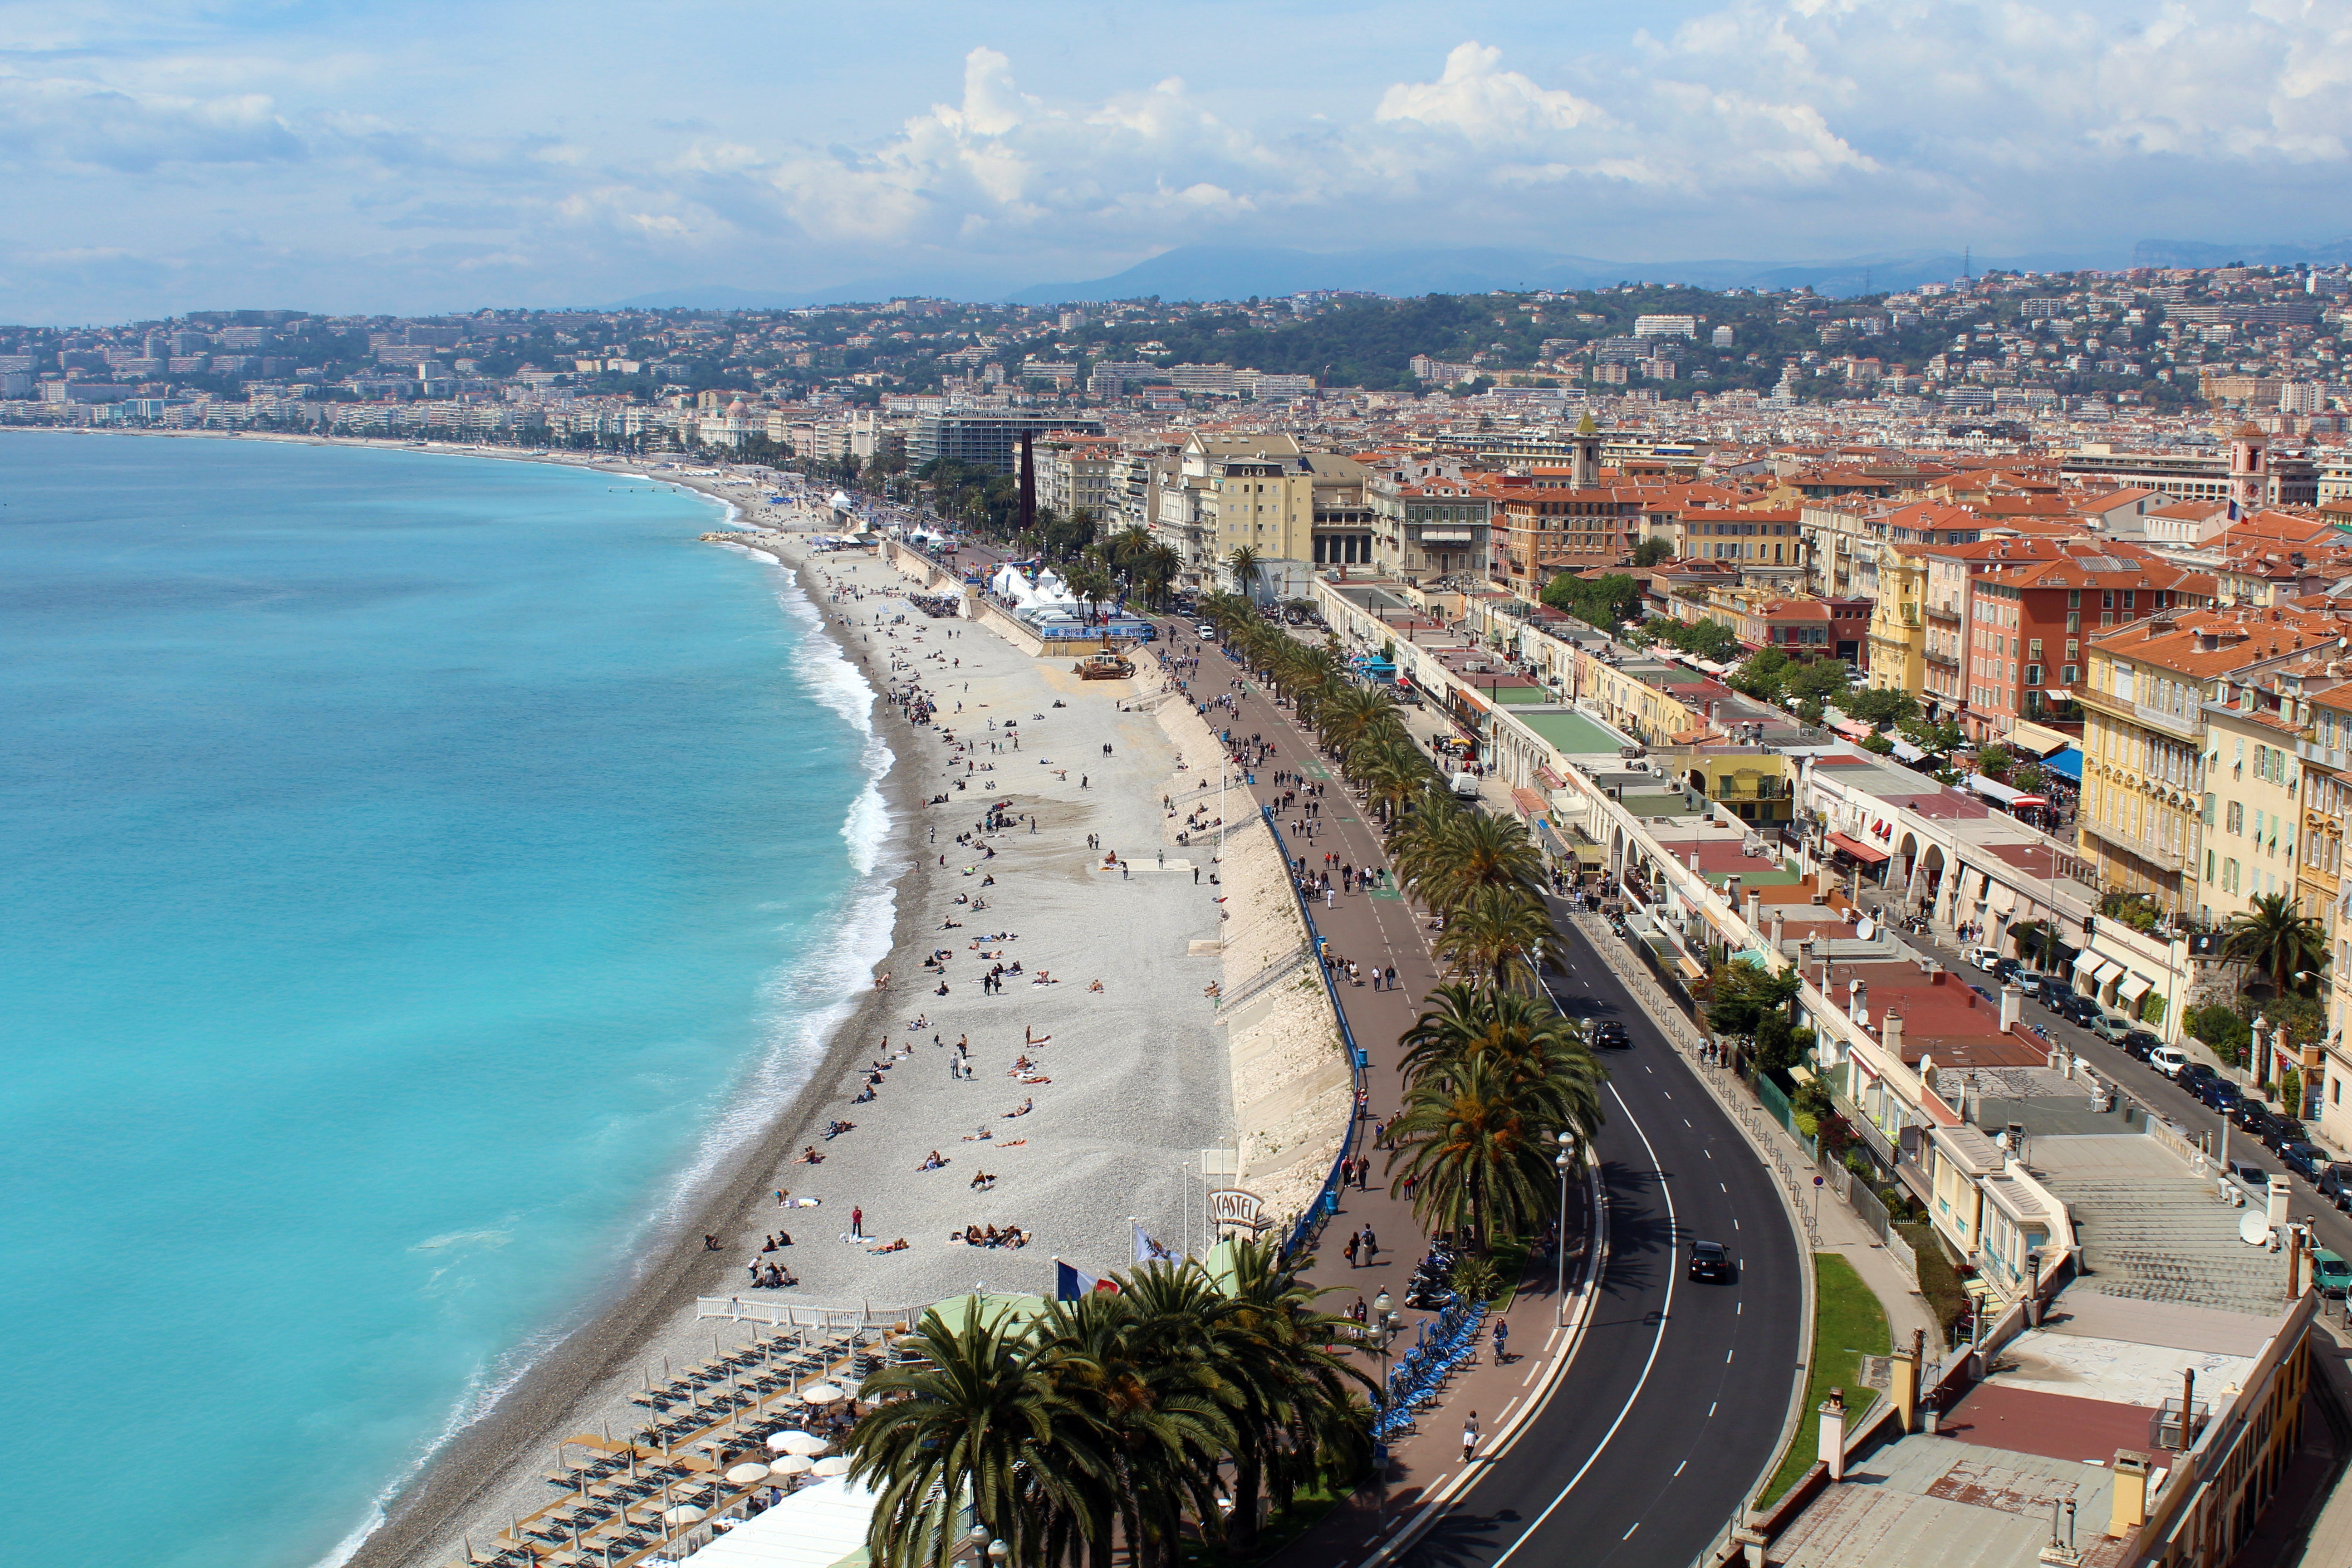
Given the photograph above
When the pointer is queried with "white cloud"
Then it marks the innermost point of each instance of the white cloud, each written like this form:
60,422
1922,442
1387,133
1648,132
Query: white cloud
1484,103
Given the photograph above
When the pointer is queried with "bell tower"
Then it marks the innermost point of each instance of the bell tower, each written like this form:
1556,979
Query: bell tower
2250,478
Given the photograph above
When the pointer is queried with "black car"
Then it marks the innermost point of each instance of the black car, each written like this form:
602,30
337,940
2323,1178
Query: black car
2006,968
2190,1076
2253,1118
2139,1045
2335,1185
2281,1132
2304,1159
2083,1010
1709,1261
1609,1035
2218,1092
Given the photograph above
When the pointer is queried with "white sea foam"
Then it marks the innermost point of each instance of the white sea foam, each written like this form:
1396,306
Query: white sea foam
805,1001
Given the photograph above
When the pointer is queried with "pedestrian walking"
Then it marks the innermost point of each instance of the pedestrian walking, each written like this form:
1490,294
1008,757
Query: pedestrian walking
1470,1437
1371,1248
1350,1250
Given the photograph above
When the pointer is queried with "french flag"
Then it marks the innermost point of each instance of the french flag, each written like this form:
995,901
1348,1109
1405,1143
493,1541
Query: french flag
1069,1283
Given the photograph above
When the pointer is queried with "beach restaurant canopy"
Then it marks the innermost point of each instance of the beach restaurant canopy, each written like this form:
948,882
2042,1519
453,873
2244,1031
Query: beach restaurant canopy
1003,1310
823,1523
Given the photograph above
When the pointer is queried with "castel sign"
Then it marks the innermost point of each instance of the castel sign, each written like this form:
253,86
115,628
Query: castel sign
1232,1205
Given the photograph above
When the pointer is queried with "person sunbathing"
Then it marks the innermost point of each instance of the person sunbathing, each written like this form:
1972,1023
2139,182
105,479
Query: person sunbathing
1022,1111
970,1237
897,1245
982,1179
809,1156
1095,985
988,1238
934,1163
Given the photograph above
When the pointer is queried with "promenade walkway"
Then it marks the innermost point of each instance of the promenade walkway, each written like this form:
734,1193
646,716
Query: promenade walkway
1381,928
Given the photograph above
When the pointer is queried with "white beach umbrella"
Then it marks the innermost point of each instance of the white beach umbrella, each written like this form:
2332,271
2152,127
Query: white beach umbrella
796,1442
836,1465
792,1465
745,1474
823,1393
681,1515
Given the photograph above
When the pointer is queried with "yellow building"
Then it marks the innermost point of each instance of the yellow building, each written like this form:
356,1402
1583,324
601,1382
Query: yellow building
1630,702
2146,768
2254,811
2326,757
1898,624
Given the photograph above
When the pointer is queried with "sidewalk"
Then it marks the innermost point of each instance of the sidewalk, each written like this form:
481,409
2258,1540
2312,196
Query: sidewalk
1383,928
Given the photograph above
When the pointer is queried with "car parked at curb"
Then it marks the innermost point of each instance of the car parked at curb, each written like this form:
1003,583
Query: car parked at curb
2139,1045
2335,1185
1980,957
2112,1028
2330,1274
2218,1092
2168,1060
2304,1159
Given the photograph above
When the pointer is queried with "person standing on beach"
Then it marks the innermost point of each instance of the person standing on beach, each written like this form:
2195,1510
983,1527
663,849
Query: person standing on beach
857,1223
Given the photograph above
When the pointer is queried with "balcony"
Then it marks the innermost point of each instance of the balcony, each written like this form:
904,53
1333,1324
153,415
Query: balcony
2155,854
1947,611
2189,727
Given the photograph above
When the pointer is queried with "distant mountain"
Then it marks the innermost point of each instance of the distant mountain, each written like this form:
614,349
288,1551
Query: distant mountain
1220,272
2198,253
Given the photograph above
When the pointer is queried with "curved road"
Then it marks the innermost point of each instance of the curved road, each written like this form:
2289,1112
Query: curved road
1673,1405
1675,1402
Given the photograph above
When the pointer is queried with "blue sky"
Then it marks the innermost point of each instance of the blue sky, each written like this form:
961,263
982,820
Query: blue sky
430,155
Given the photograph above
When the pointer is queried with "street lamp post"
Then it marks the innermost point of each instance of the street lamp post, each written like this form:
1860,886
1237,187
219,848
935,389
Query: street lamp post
1560,1243
1385,1323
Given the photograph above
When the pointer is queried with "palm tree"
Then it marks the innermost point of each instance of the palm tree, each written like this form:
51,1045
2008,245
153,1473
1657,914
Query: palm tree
984,1424
1469,851
2277,939
1478,1147
1296,1411
1501,934
1243,564
1355,714
1525,1037
1392,772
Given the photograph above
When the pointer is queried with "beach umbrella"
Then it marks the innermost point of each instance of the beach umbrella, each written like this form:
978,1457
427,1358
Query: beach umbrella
792,1465
744,1475
835,1465
796,1442
823,1393
681,1515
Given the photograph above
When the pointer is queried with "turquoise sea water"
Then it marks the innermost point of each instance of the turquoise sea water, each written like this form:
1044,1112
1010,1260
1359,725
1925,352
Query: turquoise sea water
415,868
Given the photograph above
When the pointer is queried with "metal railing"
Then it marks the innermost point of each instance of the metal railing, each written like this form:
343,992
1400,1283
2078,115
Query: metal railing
1326,1200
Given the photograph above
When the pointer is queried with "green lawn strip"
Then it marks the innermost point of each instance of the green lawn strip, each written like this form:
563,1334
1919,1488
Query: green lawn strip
1938,1282
1848,1323
1308,1509
1510,1263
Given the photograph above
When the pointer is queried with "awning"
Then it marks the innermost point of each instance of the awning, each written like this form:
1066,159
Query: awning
1996,792
2108,972
2066,764
2057,694
1858,850
2037,738
1591,854
1446,536
1905,752
2030,800
1529,802
1691,968
2135,986
1550,779
2085,958
1852,729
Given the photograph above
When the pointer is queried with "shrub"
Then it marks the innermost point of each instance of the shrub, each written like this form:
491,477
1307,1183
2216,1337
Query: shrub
1478,1280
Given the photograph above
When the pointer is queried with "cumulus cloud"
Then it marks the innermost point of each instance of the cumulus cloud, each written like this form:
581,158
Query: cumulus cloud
1484,103
1769,128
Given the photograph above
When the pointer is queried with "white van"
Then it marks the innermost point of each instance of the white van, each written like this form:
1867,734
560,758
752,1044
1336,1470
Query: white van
1464,786
1205,632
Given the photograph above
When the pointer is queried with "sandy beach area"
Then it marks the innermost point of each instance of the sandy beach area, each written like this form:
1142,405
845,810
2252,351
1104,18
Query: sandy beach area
1127,1075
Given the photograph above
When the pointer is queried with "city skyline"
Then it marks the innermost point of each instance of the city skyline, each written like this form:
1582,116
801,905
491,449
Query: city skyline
197,157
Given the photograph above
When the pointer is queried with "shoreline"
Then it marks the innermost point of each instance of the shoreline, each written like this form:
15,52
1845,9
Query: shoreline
659,1281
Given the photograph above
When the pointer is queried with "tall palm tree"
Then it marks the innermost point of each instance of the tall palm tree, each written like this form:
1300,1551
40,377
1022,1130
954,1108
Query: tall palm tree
1501,934
1392,772
984,1424
1469,851
1355,714
1479,1149
1299,1411
2277,939
1243,562
1525,1038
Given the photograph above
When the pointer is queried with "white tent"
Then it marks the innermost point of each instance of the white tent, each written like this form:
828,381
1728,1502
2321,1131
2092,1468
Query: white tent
815,1527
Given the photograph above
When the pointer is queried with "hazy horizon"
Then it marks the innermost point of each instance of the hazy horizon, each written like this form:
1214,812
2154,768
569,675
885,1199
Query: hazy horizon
182,156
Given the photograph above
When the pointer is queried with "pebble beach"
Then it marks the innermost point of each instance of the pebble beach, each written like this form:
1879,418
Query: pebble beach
1069,1103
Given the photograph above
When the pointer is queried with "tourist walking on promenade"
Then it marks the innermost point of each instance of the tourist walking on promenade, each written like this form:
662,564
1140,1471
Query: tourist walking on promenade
1470,1437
